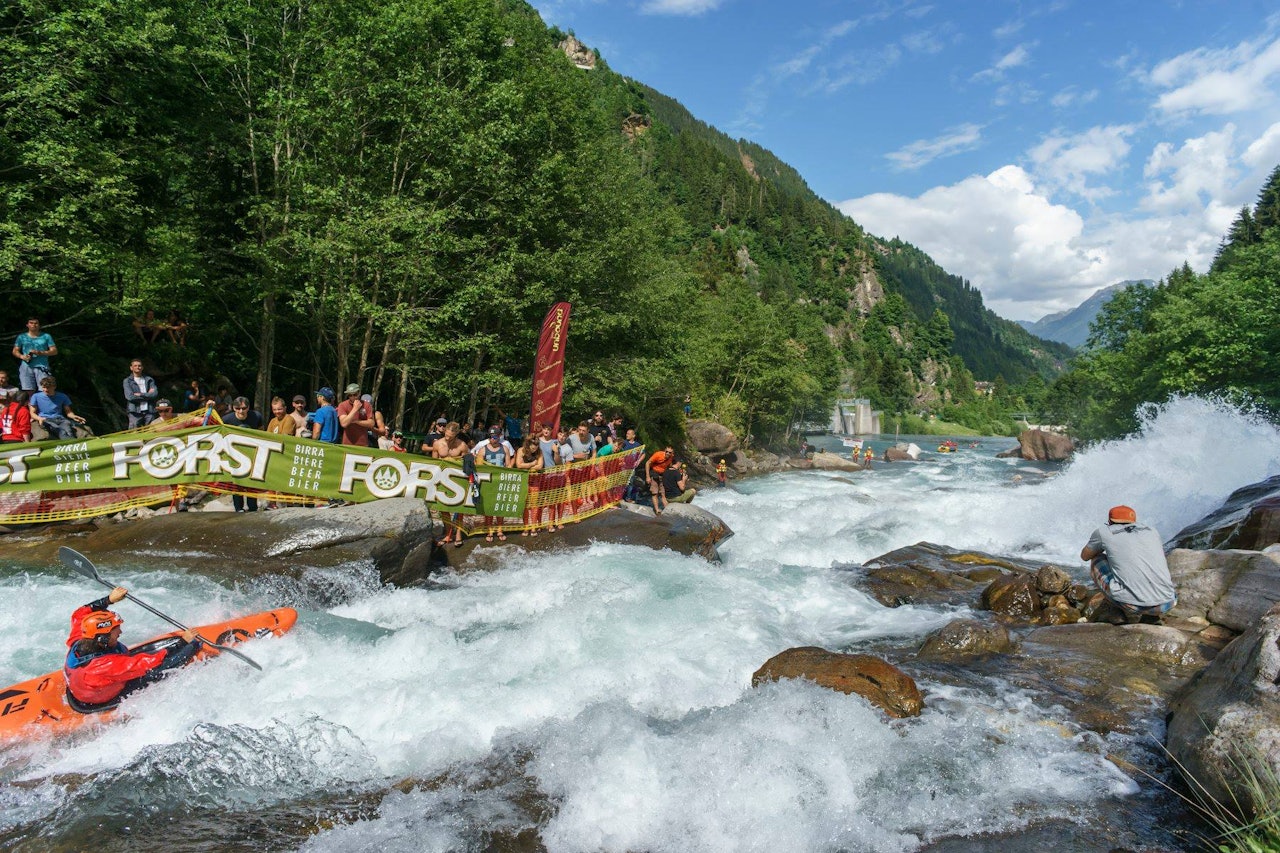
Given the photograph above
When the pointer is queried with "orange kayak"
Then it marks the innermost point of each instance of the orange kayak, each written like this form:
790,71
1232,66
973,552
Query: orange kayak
39,706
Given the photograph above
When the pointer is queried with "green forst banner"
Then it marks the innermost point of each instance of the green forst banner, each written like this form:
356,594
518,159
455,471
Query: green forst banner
258,460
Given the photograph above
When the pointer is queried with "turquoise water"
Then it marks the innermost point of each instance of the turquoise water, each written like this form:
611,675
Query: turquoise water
600,699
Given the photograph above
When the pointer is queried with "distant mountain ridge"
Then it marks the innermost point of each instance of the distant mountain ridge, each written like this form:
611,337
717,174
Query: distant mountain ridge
1071,327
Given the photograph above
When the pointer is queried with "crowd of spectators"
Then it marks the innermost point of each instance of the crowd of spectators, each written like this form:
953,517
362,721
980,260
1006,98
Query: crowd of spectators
508,441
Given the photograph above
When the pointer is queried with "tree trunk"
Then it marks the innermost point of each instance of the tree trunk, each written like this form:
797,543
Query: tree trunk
266,353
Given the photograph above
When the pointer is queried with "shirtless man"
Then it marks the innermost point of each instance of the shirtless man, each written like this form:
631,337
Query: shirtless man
451,447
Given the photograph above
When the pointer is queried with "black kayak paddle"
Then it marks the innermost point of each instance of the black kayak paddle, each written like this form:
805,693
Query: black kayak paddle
82,565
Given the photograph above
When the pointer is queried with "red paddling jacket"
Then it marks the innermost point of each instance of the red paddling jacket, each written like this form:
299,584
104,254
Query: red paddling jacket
100,676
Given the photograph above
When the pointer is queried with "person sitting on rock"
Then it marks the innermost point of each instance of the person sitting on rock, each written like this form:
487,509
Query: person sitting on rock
52,410
148,327
675,484
100,670
1127,562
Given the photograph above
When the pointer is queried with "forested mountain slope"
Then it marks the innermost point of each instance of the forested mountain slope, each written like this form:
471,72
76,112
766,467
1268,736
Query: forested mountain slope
392,192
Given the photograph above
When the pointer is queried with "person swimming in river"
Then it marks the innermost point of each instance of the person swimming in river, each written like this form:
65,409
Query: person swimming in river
100,670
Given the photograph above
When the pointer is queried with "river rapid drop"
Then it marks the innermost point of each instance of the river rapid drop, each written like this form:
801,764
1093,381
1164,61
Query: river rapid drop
600,699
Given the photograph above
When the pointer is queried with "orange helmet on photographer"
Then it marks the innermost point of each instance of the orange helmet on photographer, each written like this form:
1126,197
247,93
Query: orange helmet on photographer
99,623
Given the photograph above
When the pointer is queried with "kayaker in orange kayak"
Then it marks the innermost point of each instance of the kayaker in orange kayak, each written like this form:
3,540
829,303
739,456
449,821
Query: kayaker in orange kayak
100,669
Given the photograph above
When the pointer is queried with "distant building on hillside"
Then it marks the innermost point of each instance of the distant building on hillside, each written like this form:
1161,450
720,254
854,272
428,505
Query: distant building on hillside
855,417
986,389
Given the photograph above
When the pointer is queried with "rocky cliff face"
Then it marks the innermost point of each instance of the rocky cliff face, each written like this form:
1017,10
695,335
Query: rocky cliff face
582,56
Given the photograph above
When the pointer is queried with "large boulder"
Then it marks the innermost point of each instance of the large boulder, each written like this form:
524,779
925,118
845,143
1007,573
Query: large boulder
684,528
932,575
902,452
1013,597
963,639
710,438
1230,588
1249,519
834,462
1145,645
881,683
1224,725
238,546
1041,446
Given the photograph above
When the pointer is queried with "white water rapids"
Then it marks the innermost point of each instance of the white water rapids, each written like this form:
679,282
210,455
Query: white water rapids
612,684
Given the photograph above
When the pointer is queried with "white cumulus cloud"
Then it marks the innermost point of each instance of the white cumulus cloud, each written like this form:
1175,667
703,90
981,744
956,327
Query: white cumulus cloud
1219,81
1029,255
1192,174
1067,162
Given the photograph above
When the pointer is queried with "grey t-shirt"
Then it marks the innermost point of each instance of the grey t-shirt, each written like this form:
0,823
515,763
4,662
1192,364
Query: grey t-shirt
579,446
1136,556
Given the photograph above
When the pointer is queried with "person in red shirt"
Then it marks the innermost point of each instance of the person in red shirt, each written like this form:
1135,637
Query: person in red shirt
355,417
653,471
100,670
15,417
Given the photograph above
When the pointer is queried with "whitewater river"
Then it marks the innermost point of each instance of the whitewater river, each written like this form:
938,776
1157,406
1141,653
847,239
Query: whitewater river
600,700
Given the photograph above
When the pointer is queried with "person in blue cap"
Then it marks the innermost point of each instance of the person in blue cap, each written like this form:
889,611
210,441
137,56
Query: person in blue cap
324,420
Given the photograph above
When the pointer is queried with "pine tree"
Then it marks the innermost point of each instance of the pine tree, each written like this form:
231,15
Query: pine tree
1266,213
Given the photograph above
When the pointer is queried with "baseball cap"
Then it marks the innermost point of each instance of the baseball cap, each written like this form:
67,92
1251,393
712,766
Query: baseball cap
493,430
398,434
1122,515
163,404
298,398
353,388
326,392
441,421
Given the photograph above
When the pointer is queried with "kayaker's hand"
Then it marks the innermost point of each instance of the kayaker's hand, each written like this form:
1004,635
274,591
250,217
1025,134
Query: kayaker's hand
190,635
117,595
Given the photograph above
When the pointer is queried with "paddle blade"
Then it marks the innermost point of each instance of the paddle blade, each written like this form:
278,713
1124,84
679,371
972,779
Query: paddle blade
79,562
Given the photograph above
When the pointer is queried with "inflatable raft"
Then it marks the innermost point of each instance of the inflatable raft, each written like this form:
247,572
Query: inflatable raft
39,706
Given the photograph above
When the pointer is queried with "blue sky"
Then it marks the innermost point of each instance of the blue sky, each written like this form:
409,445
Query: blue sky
1041,150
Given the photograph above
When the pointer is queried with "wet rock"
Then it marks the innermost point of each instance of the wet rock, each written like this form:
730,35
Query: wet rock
965,638
710,438
1051,580
881,683
1013,597
238,546
1108,677
1059,616
1230,588
1041,446
685,528
834,462
1248,519
930,574
894,586
1226,722
1143,644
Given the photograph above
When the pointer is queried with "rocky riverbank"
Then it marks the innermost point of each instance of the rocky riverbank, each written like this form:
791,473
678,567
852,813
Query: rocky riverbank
1211,671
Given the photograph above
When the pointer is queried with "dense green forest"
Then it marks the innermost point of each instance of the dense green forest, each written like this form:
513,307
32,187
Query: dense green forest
1214,334
393,192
